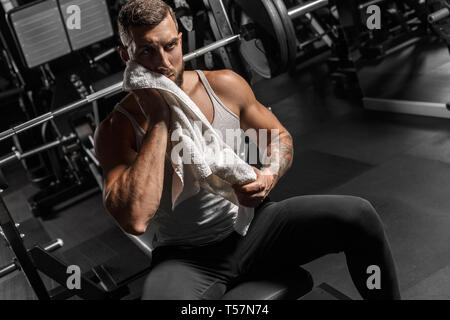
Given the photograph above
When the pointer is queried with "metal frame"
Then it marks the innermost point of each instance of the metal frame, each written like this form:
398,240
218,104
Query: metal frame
307,7
430,109
12,235
17,155
38,259
221,27
14,266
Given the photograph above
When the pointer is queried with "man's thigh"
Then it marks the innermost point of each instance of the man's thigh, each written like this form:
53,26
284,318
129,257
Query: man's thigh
181,280
296,231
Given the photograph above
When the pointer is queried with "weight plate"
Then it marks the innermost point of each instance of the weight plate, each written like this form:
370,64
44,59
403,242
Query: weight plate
268,55
216,32
186,20
254,55
290,31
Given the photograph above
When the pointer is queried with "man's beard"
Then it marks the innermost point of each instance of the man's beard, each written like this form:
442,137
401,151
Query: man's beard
179,77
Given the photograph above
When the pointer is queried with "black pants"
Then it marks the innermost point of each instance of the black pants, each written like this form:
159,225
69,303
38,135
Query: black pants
282,235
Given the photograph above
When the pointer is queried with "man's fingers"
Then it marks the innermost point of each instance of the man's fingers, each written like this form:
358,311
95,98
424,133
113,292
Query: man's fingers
259,195
251,188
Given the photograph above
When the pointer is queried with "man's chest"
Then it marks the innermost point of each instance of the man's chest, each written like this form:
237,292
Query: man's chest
204,103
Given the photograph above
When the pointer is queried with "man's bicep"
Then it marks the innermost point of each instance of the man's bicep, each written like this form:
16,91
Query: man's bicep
256,116
253,115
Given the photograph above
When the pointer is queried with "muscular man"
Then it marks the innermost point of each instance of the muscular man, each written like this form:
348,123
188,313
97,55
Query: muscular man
198,254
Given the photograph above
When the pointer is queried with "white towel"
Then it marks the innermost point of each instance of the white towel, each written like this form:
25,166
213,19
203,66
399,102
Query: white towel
214,165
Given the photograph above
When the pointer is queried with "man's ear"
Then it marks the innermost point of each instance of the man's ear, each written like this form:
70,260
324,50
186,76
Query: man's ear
123,54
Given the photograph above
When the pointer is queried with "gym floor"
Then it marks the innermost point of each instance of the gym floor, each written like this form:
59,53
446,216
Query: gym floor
401,163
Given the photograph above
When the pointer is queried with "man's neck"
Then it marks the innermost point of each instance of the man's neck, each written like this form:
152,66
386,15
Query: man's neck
189,82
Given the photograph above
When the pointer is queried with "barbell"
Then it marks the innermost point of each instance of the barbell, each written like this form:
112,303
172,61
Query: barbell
271,22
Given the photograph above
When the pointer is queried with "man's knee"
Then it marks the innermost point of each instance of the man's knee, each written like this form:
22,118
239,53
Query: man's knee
363,218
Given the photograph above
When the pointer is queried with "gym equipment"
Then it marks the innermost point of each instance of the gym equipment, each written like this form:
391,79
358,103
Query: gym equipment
406,37
16,155
291,284
221,28
77,152
84,130
82,176
257,51
14,265
439,18
43,17
94,27
8,4
42,35
183,12
98,283
17,81
403,23
116,88
317,33
320,32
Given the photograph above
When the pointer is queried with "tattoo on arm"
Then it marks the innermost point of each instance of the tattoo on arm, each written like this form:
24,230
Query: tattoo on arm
280,153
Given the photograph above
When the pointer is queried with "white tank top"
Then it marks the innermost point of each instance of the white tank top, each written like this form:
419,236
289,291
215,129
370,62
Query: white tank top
203,218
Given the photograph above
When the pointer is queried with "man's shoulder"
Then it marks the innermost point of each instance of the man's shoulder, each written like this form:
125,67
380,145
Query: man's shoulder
222,77
115,124
227,83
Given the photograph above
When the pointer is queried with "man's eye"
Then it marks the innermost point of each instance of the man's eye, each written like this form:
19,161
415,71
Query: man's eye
170,46
146,51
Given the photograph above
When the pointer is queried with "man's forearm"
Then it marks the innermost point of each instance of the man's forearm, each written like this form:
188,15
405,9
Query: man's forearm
280,153
135,196
148,169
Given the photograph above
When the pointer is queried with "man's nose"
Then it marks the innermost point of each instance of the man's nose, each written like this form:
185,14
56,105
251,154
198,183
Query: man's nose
163,62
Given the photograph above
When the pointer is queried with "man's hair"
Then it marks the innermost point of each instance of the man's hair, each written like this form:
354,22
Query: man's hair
142,13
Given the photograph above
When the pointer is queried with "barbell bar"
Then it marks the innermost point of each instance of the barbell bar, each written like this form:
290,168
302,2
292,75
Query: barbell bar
17,155
307,7
292,13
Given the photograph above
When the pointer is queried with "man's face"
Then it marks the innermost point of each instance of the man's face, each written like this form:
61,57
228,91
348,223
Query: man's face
158,49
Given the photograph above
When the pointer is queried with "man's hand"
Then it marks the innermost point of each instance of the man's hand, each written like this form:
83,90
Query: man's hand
254,193
153,105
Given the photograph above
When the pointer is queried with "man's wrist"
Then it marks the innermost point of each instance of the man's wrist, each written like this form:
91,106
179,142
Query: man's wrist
268,171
